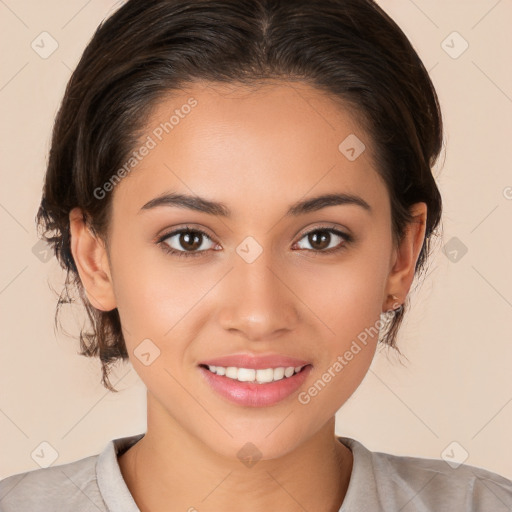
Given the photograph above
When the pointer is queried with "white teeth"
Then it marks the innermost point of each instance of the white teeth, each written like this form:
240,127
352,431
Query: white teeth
232,372
278,373
246,375
252,375
263,376
289,372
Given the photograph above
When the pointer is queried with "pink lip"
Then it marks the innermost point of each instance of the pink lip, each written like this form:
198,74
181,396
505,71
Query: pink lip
255,362
252,394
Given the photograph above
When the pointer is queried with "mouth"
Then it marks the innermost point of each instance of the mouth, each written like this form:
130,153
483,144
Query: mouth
260,376
251,387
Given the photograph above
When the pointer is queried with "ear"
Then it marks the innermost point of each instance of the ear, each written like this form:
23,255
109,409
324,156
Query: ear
91,260
405,257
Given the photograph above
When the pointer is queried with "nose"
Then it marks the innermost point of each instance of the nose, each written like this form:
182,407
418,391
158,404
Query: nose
258,301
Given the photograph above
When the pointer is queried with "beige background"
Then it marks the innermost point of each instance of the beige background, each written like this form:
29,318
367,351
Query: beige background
457,385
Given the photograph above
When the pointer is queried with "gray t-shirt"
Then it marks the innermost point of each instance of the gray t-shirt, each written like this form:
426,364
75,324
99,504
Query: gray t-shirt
379,482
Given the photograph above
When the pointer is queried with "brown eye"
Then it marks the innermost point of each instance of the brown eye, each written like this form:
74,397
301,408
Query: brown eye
321,239
185,242
190,240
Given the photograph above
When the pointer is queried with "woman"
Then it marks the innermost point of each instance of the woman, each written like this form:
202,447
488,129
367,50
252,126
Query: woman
241,192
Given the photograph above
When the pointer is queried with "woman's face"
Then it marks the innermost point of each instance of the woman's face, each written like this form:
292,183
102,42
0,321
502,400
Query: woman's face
265,279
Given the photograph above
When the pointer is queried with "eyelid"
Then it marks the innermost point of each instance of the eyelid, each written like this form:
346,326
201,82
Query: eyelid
347,238
189,227
338,231
327,227
179,229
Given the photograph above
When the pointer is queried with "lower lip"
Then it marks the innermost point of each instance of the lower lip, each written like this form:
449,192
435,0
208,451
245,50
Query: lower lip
252,394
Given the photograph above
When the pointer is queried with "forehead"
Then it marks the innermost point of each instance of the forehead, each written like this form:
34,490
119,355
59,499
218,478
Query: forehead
251,147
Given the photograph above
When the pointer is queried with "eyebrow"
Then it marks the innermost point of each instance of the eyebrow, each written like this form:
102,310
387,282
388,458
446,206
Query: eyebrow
201,204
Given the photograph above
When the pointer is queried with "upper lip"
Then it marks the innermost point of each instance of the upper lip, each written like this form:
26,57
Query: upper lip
256,362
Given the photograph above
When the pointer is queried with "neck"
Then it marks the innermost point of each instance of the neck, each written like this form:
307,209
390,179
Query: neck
172,469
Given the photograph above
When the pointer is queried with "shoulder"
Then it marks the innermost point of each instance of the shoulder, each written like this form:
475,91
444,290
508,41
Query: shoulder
417,483
70,486
436,481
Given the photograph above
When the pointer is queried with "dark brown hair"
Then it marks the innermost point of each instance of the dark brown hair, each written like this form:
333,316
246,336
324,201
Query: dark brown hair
350,49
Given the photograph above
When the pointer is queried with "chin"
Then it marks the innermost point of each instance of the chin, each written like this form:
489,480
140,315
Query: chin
255,444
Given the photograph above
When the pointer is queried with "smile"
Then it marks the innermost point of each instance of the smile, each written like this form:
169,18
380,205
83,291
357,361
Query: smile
255,388
261,376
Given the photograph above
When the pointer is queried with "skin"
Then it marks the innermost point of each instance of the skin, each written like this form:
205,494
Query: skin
257,151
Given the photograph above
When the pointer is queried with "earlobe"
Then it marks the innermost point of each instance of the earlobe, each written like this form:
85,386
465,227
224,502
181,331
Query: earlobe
402,272
90,256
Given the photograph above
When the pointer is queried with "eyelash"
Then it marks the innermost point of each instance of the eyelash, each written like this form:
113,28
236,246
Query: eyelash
161,241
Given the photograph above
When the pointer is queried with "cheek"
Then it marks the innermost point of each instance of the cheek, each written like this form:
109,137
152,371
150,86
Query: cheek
347,296
352,312
157,297
349,307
